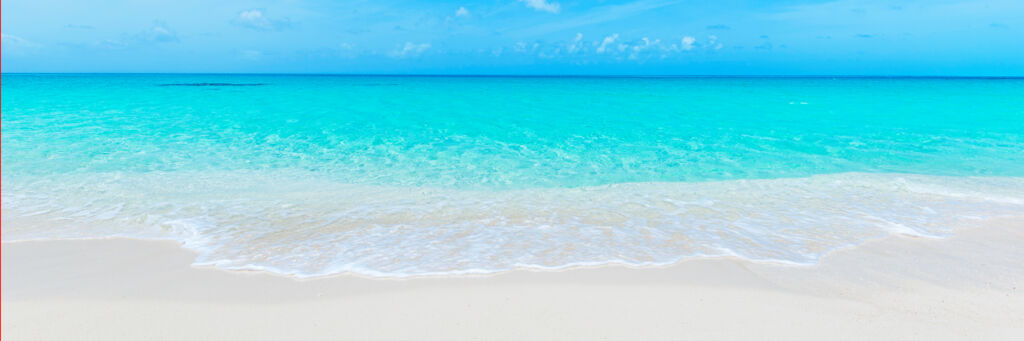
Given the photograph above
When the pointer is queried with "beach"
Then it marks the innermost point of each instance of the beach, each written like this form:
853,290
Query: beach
208,206
963,287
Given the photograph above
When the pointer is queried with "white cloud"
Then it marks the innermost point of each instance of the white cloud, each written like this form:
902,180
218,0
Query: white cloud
462,12
687,43
162,34
542,5
577,43
256,20
410,49
520,47
158,33
16,45
638,48
713,42
647,44
8,39
111,44
616,48
606,42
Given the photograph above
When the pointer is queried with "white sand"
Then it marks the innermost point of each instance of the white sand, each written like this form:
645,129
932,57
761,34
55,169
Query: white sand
964,287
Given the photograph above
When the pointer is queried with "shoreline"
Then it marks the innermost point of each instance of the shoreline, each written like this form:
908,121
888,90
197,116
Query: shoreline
452,275
312,228
998,221
963,286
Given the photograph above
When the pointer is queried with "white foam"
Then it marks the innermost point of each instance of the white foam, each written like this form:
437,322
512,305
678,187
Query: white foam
293,223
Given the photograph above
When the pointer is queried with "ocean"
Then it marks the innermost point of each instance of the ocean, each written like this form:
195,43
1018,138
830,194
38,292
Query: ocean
397,176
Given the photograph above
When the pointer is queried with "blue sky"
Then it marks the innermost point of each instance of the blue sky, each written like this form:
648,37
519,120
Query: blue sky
644,37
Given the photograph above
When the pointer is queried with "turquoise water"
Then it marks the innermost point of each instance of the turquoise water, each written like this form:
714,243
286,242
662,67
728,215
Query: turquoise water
394,176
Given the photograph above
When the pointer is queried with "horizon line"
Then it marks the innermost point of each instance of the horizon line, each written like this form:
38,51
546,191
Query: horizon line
501,75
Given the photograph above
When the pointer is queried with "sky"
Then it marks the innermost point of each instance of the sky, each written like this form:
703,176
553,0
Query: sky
536,37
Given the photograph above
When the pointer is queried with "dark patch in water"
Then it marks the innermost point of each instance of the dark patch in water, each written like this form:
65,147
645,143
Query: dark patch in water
213,84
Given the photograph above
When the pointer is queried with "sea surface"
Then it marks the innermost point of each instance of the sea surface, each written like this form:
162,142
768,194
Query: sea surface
394,176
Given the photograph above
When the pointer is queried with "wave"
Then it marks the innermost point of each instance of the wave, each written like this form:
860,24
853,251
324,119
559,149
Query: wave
294,223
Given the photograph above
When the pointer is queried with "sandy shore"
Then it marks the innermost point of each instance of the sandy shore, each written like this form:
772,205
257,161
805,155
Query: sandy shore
963,287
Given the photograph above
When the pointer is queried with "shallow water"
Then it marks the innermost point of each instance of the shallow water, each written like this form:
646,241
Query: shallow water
397,176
